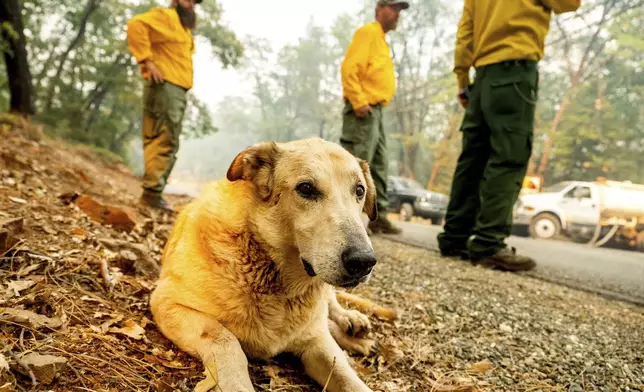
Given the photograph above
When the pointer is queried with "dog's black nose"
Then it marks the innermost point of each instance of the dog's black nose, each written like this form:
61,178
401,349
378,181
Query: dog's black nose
358,262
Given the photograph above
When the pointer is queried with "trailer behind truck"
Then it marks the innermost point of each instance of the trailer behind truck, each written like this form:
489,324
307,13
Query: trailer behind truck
595,213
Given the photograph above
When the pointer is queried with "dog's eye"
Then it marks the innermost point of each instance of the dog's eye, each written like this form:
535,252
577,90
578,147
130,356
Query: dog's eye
360,191
307,190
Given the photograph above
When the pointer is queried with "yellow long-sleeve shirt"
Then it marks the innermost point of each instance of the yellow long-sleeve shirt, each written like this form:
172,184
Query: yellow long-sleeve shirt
491,31
367,69
158,35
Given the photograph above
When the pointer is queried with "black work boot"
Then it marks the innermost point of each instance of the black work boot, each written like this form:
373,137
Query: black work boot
506,259
154,200
461,253
383,225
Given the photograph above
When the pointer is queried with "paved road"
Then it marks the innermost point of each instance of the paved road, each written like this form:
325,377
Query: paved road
615,273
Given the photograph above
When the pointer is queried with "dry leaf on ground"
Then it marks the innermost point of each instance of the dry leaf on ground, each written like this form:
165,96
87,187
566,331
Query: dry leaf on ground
28,269
131,329
273,372
19,285
4,365
29,318
482,367
105,326
44,367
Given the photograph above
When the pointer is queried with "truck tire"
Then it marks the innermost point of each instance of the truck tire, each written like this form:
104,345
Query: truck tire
639,244
406,212
545,226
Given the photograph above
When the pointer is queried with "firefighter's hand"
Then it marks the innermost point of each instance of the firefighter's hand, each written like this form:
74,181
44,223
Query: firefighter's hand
464,97
155,74
463,101
363,111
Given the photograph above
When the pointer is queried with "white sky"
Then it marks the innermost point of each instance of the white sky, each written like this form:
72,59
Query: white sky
280,21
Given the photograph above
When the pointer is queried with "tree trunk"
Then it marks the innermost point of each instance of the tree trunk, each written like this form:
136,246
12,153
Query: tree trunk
102,85
537,125
411,149
92,5
543,165
444,147
115,145
20,83
95,108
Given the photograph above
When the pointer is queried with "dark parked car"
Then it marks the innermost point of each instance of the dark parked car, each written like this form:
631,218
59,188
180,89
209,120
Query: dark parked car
408,198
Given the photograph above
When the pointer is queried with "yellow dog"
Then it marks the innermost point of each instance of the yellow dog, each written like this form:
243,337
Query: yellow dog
250,266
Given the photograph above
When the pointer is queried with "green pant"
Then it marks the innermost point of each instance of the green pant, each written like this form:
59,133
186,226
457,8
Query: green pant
497,143
365,138
163,109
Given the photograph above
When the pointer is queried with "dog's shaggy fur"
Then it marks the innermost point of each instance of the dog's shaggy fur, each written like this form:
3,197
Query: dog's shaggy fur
250,266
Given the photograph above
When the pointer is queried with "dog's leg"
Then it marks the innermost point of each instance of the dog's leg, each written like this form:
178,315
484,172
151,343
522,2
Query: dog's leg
325,361
366,306
200,335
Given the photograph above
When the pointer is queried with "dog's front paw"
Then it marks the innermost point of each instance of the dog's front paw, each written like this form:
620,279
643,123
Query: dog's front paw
354,323
364,347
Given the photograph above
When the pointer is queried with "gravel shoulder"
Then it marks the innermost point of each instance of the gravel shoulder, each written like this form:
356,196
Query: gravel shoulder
536,335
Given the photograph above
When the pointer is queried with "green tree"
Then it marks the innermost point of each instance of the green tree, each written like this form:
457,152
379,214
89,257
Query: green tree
88,88
296,87
600,136
420,114
580,40
13,47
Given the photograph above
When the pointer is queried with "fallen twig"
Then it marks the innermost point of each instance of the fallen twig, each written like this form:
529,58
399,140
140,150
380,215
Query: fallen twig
328,380
105,273
437,387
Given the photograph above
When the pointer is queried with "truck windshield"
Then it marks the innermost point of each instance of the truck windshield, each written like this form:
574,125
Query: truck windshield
558,187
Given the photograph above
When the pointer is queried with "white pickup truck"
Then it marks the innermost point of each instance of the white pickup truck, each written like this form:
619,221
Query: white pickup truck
588,212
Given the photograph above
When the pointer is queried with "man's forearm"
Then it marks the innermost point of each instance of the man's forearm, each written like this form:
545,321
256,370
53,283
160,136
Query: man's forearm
464,43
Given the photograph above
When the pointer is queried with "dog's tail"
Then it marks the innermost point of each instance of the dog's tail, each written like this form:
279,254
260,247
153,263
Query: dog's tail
366,306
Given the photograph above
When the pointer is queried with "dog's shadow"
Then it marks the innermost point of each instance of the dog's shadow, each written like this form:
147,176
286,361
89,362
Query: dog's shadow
284,372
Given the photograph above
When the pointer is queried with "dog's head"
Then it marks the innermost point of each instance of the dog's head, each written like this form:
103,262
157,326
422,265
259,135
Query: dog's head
316,193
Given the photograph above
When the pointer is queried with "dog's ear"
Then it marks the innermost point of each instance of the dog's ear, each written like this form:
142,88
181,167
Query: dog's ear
370,197
256,163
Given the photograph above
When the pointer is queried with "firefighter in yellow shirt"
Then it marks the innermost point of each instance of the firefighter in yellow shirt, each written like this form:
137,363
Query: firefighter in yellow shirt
503,41
161,42
369,84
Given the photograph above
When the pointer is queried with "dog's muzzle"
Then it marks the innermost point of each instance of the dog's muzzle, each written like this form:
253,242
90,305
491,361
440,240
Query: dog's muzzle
358,262
351,283
308,268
